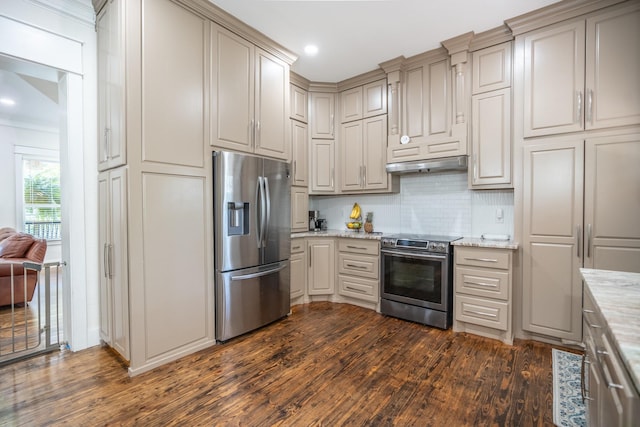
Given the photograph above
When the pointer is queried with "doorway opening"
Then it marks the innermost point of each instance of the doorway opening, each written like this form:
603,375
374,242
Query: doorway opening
32,111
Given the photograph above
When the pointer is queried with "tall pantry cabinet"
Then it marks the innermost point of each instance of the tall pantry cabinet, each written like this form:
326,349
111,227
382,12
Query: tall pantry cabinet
577,109
155,237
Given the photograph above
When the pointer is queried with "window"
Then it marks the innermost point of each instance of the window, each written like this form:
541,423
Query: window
41,198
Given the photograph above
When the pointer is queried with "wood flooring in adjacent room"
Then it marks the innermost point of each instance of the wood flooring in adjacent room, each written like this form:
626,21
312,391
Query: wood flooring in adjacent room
326,364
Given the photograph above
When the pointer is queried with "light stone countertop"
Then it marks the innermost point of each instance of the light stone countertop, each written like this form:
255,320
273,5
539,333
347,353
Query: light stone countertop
617,295
477,242
338,233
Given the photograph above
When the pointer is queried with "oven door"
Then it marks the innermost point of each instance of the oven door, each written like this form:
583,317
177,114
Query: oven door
415,278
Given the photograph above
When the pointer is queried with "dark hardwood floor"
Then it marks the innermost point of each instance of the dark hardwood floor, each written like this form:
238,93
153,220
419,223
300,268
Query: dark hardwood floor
327,364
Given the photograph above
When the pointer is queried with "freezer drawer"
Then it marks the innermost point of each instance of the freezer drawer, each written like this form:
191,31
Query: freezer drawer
250,298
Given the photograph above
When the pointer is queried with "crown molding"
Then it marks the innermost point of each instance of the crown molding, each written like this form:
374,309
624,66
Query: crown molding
298,80
492,37
323,87
362,79
555,13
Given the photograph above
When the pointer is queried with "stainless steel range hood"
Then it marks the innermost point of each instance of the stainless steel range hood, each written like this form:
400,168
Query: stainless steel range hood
457,163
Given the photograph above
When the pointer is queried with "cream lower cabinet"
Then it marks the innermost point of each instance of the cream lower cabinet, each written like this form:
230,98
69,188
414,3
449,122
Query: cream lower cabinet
580,208
483,292
299,209
298,267
610,397
359,269
114,284
321,278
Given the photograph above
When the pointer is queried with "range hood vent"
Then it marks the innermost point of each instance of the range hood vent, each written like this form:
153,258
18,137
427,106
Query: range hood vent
457,163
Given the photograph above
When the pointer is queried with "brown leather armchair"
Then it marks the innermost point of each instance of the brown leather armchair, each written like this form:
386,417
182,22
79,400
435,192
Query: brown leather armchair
17,249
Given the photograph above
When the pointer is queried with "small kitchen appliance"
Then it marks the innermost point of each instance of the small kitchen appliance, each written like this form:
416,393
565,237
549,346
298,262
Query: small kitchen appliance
417,278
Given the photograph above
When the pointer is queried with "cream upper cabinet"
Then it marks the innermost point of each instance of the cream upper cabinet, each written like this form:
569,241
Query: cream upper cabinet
322,167
427,111
299,209
564,91
321,278
491,140
552,232
299,104
491,68
612,203
554,79
300,153
612,96
250,97
351,105
111,136
363,101
322,115
363,149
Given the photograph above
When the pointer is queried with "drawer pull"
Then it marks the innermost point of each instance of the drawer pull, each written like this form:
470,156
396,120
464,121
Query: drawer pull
586,310
484,285
480,313
361,267
356,247
591,326
602,352
296,247
349,288
481,259
609,382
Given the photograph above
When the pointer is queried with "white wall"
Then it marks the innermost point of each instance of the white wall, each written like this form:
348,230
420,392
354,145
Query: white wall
438,203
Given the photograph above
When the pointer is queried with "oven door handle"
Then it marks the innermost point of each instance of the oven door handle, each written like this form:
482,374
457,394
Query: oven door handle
412,254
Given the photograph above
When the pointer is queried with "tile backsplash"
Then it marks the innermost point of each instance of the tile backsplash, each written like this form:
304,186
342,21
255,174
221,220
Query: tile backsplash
438,203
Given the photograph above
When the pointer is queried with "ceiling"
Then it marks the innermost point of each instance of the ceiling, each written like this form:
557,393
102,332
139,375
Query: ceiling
354,36
34,89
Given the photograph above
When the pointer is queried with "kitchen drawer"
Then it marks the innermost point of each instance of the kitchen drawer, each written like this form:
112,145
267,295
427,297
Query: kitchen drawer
359,265
480,311
357,287
480,257
359,246
482,282
297,246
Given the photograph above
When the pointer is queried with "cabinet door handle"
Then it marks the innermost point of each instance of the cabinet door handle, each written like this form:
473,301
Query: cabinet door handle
484,285
104,261
361,267
578,241
331,123
256,137
294,170
360,177
106,144
579,109
310,249
609,381
590,106
475,168
251,132
332,173
480,313
110,261
481,259
355,290
588,240
364,176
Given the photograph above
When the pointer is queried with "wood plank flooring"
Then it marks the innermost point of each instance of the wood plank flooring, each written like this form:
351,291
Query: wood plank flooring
325,365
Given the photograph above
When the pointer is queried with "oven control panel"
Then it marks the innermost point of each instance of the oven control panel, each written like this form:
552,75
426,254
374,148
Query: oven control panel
415,245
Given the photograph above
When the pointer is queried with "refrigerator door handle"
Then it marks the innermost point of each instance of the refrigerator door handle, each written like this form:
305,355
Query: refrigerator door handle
267,211
258,274
259,213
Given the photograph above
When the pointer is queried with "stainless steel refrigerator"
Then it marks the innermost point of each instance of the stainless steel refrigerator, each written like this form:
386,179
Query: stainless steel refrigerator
252,212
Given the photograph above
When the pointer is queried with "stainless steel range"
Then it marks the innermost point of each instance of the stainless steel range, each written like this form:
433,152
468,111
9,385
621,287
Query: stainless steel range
417,278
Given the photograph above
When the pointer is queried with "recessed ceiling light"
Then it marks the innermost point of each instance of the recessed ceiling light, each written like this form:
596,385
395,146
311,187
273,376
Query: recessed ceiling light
7,101
311,49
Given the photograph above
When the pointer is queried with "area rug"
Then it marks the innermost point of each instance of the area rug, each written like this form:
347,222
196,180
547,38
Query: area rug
568,408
